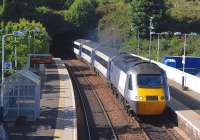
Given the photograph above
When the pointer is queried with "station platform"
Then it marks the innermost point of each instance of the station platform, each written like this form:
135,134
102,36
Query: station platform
186,105
57,109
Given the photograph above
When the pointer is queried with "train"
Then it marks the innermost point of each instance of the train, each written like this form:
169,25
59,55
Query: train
142,85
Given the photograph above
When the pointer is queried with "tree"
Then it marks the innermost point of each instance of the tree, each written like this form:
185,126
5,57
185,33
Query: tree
142,10
82,14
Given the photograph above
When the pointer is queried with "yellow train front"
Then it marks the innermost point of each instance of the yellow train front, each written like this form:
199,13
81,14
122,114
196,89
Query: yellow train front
142,84
153,94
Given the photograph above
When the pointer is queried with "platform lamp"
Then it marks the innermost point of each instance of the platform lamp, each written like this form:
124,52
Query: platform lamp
158,46
138,38
35,30
15,34
151,27
184,55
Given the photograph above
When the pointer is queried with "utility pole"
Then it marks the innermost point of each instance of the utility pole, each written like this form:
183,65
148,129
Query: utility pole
4,4
150,38
158,49
138,41
15,53
138,37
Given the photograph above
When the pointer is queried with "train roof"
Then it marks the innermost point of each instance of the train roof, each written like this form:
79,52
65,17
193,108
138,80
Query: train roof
127,62
108,51
91,44
80,41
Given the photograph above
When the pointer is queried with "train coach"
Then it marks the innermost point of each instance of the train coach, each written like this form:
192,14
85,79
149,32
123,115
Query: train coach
140,84
85,49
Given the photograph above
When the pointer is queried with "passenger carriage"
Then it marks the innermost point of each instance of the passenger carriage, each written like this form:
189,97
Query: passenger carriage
103,57
77,46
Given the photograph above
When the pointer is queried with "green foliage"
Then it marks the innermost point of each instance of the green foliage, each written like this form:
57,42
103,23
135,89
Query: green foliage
68,3
142,10
82,14
42,9
40,43
114,24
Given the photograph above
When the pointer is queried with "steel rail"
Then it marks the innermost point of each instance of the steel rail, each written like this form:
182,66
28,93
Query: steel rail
83,104
101,105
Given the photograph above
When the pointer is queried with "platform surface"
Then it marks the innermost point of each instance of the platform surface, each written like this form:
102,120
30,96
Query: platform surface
188,97
186,104
58,113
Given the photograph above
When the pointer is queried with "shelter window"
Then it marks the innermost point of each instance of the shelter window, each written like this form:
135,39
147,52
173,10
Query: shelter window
149,80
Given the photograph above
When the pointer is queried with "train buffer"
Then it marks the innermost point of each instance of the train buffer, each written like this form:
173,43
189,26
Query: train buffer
57,119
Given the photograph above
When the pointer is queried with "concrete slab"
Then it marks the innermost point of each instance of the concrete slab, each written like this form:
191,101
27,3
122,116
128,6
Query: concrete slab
188,97
188,120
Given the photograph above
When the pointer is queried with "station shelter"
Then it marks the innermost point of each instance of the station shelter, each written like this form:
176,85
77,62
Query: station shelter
21,96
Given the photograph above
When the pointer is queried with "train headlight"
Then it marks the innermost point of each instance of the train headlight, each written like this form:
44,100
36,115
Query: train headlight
162,97
139,98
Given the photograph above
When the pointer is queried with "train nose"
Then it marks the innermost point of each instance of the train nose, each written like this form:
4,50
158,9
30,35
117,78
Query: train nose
150,108
154,102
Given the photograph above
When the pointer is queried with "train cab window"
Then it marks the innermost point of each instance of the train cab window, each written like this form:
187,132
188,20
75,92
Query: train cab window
148,80
130,83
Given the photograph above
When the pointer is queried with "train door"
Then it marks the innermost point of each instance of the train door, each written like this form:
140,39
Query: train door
92,57
109,69
129,86
80,50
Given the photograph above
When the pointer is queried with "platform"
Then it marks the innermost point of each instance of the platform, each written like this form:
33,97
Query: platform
57,109
186,105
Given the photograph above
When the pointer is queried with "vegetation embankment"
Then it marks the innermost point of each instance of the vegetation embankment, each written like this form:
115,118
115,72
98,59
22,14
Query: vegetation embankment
168,16
114,23
49,16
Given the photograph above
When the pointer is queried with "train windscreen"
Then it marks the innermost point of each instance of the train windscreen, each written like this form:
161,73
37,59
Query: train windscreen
146,80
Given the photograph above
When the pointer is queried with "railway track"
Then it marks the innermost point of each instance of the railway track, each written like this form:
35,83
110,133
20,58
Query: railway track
159,127
154,127
108,131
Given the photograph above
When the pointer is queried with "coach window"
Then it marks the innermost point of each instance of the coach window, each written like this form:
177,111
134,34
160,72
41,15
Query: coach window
130,84
76,46
86,51
101,61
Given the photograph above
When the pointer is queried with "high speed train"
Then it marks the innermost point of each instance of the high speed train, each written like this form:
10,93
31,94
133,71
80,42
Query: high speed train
140,83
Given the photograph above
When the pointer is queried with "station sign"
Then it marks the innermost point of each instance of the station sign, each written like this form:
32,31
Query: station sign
41,59
8,65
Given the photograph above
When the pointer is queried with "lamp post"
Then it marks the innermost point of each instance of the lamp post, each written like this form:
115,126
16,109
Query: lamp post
112,29
35,30
15,52
138,38
184,55
150,37
15,34
4,4
158,46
